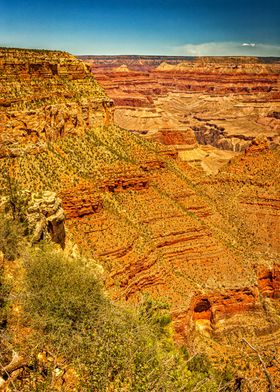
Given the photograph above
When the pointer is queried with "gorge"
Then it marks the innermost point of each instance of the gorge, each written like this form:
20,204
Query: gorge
219,102
168,174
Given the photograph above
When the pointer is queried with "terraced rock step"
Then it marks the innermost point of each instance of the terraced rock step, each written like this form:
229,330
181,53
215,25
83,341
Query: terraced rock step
46,95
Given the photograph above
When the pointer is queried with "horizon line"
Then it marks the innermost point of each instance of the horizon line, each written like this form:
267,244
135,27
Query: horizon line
134,54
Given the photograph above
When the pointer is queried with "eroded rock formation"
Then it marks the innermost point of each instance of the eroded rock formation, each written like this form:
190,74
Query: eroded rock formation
269,281
41,212
45,217
224,102
44,96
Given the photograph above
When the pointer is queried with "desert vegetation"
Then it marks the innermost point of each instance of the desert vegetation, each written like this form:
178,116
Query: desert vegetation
68,334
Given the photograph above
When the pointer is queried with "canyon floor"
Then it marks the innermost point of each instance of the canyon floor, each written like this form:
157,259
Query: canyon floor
168,174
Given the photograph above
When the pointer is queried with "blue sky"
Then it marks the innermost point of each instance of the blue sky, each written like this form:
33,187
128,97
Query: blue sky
189,27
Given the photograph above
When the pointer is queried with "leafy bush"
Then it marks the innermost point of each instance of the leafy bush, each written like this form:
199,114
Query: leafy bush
155,313
199,363
4,308
15,197
12,216
11,237
111,347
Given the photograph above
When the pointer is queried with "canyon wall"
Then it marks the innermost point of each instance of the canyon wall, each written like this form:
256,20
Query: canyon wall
45,96
224,102
206,245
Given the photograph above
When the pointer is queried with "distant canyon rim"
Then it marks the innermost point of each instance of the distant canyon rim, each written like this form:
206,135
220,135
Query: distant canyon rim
207,108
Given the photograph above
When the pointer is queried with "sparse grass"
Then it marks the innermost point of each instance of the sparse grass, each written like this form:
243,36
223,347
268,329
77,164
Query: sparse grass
101,153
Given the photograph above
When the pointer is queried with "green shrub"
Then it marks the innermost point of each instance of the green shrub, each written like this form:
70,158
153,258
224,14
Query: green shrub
109,345
4,308
155,313
11,237
200,363
15,197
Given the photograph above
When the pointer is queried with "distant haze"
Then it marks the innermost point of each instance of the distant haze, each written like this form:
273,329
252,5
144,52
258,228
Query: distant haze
159,27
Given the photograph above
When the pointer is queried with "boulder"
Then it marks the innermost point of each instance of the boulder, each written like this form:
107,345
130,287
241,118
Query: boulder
45,217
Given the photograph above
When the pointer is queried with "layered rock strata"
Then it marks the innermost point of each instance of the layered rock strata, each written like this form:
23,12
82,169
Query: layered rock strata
269,281
44,96
224,102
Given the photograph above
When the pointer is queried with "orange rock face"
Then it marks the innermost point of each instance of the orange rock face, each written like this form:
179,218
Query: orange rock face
85,200
80,201
176,137
215,306
45,96
269,281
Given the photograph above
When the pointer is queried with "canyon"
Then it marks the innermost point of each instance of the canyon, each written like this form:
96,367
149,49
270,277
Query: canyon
191,103
168,177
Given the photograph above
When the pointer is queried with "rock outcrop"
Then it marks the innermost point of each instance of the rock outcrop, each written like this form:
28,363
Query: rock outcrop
216,307
46,95
218,314
41,213
45,218
269,281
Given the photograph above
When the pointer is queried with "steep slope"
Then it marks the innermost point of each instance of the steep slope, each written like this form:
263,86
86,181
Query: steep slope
154,223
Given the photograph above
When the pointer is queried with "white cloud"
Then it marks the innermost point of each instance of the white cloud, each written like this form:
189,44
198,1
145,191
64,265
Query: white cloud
248,44
228,49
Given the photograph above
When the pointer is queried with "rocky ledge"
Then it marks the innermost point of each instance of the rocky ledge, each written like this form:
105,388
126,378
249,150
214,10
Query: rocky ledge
45,95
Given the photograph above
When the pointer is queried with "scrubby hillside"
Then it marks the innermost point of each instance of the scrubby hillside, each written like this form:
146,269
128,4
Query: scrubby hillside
152,225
